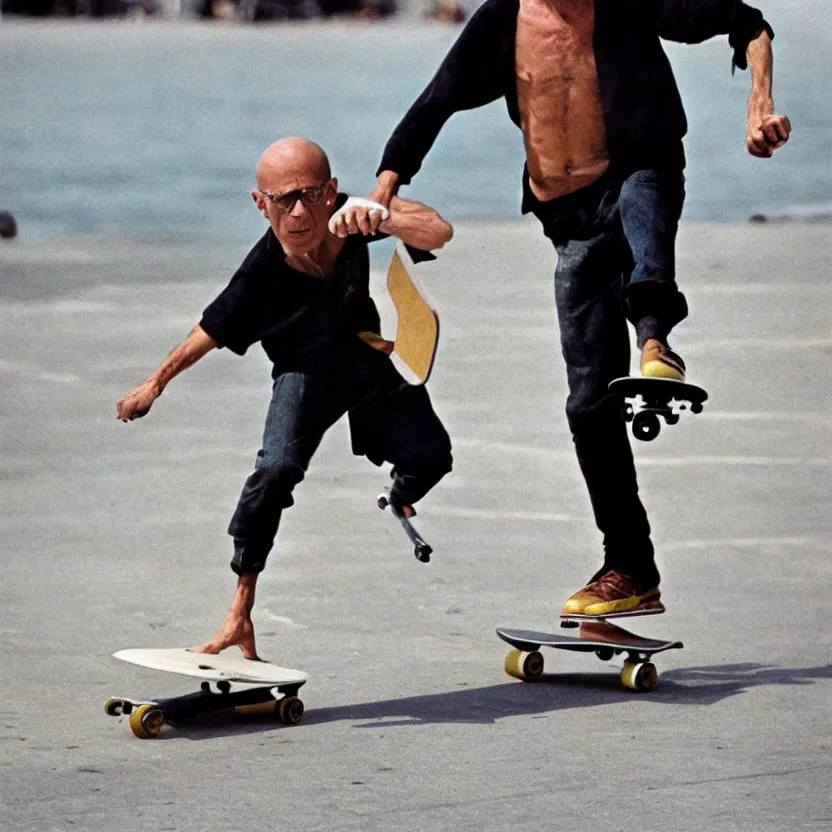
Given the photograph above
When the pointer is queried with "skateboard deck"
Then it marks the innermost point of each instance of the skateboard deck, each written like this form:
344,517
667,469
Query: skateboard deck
605,640
651,398
421,549
417,334
258,686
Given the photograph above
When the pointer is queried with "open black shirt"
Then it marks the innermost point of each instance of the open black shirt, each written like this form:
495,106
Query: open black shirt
643,112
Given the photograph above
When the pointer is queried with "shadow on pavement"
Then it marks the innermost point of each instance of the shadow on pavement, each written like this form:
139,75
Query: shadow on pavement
691,686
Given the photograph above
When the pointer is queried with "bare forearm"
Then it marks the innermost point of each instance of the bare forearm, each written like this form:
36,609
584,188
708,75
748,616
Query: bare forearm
761,65
197,344
417,225
386,186
767,131
138,401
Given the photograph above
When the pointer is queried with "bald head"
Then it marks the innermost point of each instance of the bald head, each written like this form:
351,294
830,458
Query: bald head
296,171
292,158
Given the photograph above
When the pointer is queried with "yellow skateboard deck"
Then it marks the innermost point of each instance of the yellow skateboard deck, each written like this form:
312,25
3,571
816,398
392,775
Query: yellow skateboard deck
418,329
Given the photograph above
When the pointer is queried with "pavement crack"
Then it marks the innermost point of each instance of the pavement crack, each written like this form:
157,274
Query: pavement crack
740,777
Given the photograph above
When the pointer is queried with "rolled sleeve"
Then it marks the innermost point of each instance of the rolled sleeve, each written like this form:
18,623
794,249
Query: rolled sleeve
221,334
694,21
748,23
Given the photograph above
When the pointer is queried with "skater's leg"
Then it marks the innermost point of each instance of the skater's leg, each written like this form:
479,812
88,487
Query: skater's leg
650,205
302,408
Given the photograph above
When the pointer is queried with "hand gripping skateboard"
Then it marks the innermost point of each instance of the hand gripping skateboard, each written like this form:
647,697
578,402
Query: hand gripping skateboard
605,640
648,398
241,684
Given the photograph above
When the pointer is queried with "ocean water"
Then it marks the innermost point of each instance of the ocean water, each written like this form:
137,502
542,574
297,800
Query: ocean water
145,126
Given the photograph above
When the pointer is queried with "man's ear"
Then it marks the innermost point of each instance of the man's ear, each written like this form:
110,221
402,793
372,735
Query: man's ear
331,191
260,202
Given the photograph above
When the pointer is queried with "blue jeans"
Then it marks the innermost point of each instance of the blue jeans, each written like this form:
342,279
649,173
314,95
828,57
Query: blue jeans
615,242
389,420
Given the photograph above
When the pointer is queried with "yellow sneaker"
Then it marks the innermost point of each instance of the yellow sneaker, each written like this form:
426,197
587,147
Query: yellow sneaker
614,593
659,361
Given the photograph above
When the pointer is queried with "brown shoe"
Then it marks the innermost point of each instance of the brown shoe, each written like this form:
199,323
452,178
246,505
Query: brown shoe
659,361
614,593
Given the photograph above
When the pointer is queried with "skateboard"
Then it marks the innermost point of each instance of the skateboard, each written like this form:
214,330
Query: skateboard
258,687
417,333
421,549
649,398
605,640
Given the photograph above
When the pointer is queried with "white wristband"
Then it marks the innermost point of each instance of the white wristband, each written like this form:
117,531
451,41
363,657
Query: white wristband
360,202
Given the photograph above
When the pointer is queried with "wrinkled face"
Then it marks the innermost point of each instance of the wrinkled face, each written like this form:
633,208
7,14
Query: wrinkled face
297,202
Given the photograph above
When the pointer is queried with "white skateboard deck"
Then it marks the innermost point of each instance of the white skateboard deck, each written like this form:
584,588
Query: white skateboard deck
212,668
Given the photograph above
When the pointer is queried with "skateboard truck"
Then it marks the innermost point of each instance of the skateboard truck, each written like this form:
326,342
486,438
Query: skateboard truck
227,683
148,717
648,399
421,549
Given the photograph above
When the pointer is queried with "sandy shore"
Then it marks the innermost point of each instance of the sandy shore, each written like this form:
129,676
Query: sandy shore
114,536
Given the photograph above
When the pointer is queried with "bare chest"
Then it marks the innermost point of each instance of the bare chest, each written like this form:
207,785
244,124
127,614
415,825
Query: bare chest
554,45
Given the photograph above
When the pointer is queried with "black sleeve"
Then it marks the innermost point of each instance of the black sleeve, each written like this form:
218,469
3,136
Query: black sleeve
693,21
472,74
230,319
419,255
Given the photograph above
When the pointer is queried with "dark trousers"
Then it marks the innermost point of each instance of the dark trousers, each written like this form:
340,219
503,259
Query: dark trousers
615,242
390,421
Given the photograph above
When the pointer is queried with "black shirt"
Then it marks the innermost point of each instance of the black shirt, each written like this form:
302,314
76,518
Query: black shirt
304,323
643,112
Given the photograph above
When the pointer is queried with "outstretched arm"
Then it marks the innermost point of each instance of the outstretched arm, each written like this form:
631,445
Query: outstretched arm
414,223
477,70
766,130
138,401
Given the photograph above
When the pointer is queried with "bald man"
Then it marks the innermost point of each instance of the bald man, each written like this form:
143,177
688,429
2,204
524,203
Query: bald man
303,294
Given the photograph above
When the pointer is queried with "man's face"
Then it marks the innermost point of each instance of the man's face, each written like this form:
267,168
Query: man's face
297,205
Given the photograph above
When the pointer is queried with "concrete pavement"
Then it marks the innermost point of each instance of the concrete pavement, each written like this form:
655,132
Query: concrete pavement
114,535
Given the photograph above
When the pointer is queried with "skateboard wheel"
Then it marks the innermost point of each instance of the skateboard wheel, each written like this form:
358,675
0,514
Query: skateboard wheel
605,653
146,721
523,664
112,707
382,502
423,553
696,407
627,412
640,676
289,710
671,418
646,426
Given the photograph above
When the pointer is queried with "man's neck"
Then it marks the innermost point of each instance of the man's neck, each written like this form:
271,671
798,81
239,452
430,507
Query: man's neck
319,262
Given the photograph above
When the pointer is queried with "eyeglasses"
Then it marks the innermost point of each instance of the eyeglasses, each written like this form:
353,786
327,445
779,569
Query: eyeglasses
286,202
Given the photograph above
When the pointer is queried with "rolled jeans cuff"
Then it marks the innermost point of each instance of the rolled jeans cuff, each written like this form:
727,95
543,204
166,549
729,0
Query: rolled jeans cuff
650,326
249,557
